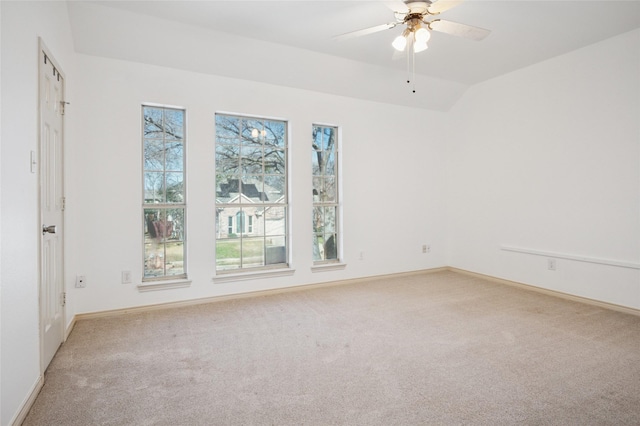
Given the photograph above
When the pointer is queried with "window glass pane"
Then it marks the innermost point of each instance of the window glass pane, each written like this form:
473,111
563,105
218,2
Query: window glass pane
252,252
153,126
174,258
257,221
174,156
328,139
330,165
275,189
228,253
318,248
154,187
330,189
175,188
252,131
318,220
227,159
274,161
275,133
318,191
174,124
227,189
240,223
275,221
175,221
330,251
329,219
251,161
153,155
253,189
316,157
227,130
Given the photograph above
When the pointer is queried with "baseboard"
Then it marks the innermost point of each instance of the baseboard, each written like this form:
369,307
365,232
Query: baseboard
28,403
69,329
222,298
555,293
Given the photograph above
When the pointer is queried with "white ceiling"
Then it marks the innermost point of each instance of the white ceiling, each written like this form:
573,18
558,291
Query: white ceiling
522,33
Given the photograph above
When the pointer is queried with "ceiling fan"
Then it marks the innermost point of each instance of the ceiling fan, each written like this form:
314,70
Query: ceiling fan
415,16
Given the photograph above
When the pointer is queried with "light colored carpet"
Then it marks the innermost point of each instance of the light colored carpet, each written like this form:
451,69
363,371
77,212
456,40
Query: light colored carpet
439,348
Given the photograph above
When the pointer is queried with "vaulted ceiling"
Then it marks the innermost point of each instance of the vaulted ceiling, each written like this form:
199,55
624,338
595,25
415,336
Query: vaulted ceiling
291,42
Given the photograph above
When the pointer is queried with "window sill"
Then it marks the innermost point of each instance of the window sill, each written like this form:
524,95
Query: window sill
163,285
328,267
268,273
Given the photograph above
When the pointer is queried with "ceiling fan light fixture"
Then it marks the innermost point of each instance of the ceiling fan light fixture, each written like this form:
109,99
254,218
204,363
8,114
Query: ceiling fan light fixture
399,43
420,46
422,35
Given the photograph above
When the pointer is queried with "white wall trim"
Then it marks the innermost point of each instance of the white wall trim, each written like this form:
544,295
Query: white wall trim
262,273
578,258
190,302
555,293
21,415
69,329
163,285
324,267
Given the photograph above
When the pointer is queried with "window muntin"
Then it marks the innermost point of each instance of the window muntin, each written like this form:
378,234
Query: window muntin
325,217
251,193
164,203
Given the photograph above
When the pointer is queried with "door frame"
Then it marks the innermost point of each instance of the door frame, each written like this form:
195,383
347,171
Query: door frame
42,49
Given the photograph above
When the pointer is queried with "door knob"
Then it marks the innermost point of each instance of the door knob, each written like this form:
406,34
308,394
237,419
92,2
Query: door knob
51,229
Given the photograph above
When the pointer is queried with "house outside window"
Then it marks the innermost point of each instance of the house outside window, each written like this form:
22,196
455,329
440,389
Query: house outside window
325,218
251,190
164,202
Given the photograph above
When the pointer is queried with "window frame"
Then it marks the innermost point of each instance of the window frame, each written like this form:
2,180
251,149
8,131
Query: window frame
266,269
337,262
152,282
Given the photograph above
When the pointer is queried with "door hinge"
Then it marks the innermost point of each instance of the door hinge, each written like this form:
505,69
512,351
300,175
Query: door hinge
64,203
63,298
62,105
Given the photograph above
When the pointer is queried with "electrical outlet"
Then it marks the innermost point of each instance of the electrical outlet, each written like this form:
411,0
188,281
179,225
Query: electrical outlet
361,257
551,264
81,281
126,277
426,248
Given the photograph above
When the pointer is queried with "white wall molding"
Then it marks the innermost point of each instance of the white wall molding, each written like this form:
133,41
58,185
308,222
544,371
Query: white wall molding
21,415
554,293
577,258
268,292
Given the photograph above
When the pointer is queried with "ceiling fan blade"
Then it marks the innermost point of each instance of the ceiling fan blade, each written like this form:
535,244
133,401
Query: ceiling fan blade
442,5
460,30
396,6
365,31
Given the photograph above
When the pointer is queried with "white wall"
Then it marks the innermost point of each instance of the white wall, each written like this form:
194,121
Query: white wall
392,172
22,23
545,158
548,158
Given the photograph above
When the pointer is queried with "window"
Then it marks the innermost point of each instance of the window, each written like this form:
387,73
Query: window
164,202
325,194
251,190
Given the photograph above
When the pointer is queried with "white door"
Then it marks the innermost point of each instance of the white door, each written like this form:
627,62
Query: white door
52,296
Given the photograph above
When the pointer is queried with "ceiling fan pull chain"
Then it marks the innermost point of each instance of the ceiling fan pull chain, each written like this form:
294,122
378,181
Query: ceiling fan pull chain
413,71
408,68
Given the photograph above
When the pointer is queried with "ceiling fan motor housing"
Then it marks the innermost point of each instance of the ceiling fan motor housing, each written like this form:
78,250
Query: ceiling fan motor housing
418,7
